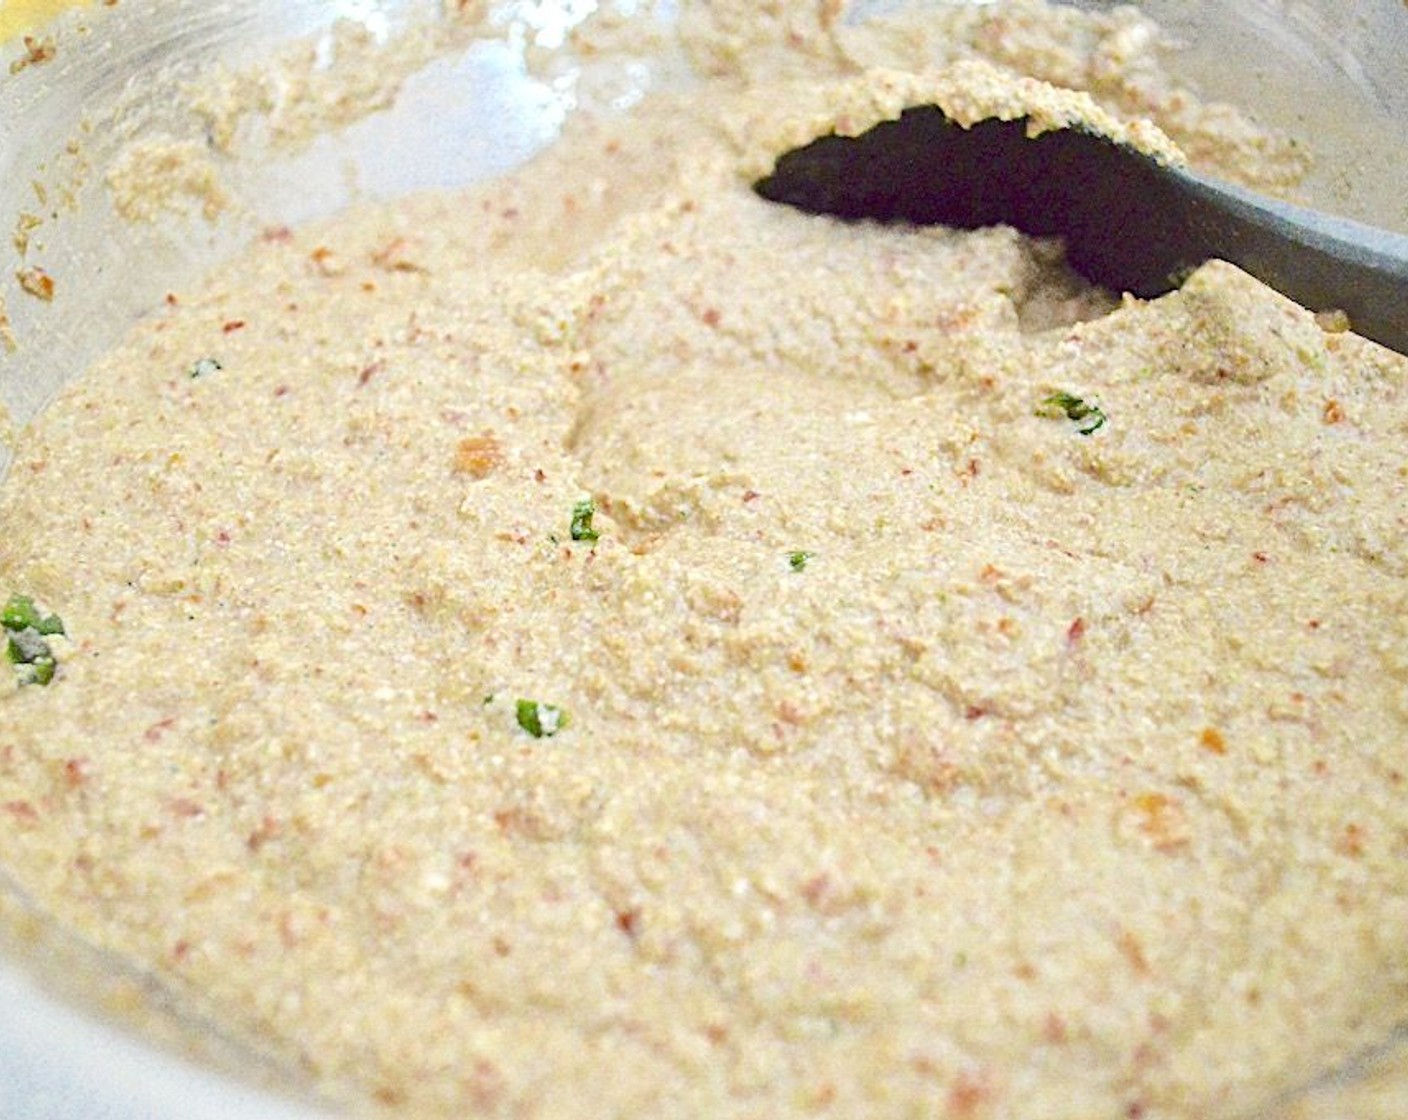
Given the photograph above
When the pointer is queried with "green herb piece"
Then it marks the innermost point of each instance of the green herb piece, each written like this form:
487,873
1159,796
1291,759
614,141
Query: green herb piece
542,721
20,613
1088,417
203,367
582,514
25,648
797,561
31,656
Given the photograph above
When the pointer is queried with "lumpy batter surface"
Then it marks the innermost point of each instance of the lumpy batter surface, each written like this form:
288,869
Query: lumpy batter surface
601,644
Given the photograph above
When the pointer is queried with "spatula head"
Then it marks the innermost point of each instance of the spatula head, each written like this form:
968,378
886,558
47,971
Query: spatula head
926,170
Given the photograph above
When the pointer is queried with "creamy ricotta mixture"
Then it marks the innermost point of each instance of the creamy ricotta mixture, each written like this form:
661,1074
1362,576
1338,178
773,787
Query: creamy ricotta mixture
602,644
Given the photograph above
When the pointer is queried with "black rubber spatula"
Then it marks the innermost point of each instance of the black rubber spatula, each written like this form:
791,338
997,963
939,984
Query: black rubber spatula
1130,222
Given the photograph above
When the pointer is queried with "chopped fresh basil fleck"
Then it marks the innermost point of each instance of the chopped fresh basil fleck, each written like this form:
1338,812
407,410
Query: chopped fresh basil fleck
204,367
25,632
1088,417
542,721
31,656
582,514
20,613
27,646
797,561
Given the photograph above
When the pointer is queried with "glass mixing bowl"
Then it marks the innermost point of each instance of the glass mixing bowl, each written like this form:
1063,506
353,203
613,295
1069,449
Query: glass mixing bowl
1322,70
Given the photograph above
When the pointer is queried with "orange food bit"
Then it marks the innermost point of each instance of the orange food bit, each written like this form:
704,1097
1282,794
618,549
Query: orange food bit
1164,821
1211,740
479,456
37,283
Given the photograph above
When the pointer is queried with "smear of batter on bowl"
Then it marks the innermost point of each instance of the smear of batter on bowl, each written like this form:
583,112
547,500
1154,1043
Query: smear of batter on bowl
598,643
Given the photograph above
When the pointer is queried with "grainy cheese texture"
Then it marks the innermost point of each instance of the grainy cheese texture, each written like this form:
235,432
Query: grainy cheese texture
924,755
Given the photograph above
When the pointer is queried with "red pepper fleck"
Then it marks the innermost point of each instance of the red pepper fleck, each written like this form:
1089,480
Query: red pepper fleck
1261,557
269,829
965,1097
628,922
1076,631
1133,952
36,52
22,809
394,257
154,733
1351,842
233,325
